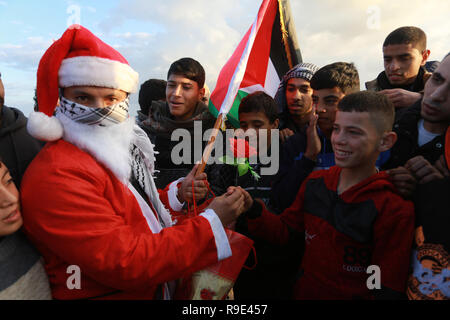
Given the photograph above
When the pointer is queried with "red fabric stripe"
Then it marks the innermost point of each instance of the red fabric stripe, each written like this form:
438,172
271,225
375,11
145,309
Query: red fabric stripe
257,65
259,57
226,74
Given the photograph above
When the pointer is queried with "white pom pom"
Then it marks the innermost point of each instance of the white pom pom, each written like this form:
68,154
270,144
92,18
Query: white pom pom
43,127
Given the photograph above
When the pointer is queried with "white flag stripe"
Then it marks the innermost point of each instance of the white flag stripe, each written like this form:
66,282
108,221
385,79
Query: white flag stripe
271,85
239,73
272,80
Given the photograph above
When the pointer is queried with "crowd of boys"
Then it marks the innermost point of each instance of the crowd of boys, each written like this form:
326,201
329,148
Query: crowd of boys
363,180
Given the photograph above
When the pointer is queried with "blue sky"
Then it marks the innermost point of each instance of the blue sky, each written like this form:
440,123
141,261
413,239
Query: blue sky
153,33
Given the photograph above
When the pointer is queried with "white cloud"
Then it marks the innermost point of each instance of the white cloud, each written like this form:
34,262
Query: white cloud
327,30
24,56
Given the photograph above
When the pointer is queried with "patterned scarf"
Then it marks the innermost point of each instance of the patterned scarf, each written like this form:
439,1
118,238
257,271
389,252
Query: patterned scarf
302,70
142,155
103,117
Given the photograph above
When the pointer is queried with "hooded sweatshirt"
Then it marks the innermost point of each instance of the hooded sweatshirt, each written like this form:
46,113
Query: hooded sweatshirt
22,272
17,147
366,225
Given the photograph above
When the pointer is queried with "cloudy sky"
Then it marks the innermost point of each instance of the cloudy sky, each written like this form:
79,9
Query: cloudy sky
152,34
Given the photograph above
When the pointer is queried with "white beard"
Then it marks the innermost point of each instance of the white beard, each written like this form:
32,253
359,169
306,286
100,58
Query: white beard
108,145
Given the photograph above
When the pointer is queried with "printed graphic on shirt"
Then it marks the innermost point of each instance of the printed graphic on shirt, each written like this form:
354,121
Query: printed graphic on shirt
309,237
430,279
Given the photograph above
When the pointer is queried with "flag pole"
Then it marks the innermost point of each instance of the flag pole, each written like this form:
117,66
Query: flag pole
209,146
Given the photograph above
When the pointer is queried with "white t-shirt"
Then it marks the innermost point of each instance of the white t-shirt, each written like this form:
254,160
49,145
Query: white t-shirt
424,135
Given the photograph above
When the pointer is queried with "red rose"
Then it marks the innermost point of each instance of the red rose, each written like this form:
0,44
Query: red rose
241,148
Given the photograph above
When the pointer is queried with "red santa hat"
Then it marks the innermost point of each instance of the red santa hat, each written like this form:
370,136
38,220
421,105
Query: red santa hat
78,58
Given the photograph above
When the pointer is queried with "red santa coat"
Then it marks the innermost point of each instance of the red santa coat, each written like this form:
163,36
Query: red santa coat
78,213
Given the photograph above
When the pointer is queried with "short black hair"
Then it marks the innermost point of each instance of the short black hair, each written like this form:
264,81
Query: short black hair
151,90
407,35
260,101
379,107
343,75
190,69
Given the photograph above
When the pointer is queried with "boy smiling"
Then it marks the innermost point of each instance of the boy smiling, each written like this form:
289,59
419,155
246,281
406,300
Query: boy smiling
351,216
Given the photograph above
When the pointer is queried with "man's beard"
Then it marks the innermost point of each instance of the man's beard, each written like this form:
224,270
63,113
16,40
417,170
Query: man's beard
108,145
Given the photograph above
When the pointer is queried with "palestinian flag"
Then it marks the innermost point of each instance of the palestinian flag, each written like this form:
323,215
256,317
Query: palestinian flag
268,50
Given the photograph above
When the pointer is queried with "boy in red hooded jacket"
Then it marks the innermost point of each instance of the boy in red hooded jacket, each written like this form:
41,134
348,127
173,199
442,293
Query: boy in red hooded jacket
350,215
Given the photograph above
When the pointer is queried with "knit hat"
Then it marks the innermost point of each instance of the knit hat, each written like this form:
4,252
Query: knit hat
78,58
301,70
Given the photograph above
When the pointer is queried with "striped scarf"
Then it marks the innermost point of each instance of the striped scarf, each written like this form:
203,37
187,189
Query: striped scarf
103,117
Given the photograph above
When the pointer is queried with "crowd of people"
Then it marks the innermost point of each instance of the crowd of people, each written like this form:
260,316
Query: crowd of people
363,181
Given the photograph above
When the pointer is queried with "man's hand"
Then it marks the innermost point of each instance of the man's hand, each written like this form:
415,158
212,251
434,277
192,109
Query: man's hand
442,166
401,98
228,206
286,133
403,180
200,190
422,170
248,200
313,144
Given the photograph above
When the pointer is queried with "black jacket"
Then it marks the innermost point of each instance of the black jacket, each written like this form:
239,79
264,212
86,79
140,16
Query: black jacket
276,266
17,147
294,168
407,146
159,126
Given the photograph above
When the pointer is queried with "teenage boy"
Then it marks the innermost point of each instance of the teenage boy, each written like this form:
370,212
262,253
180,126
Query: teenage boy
350,214
430,260
294,99
151,90
421,133
405,54
305,152
184,107
275,264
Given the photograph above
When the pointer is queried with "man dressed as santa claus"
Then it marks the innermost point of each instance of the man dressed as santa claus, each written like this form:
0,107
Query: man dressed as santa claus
89,201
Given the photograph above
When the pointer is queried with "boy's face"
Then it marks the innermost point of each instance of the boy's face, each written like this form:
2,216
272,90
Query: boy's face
257,121
326,102
436,98
182,96
299,97
94,97
10,217
402,63
355,140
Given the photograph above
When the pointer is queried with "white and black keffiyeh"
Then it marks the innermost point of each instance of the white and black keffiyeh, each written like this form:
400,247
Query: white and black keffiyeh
143,168
103,117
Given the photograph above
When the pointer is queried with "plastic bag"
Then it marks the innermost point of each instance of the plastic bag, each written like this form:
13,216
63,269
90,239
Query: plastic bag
216,281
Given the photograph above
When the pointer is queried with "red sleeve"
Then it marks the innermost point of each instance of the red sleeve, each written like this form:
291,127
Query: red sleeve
393,238
66,211
164,196
276,228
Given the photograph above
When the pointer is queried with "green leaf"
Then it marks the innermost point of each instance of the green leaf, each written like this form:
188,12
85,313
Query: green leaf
242,169
228,160
254,174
